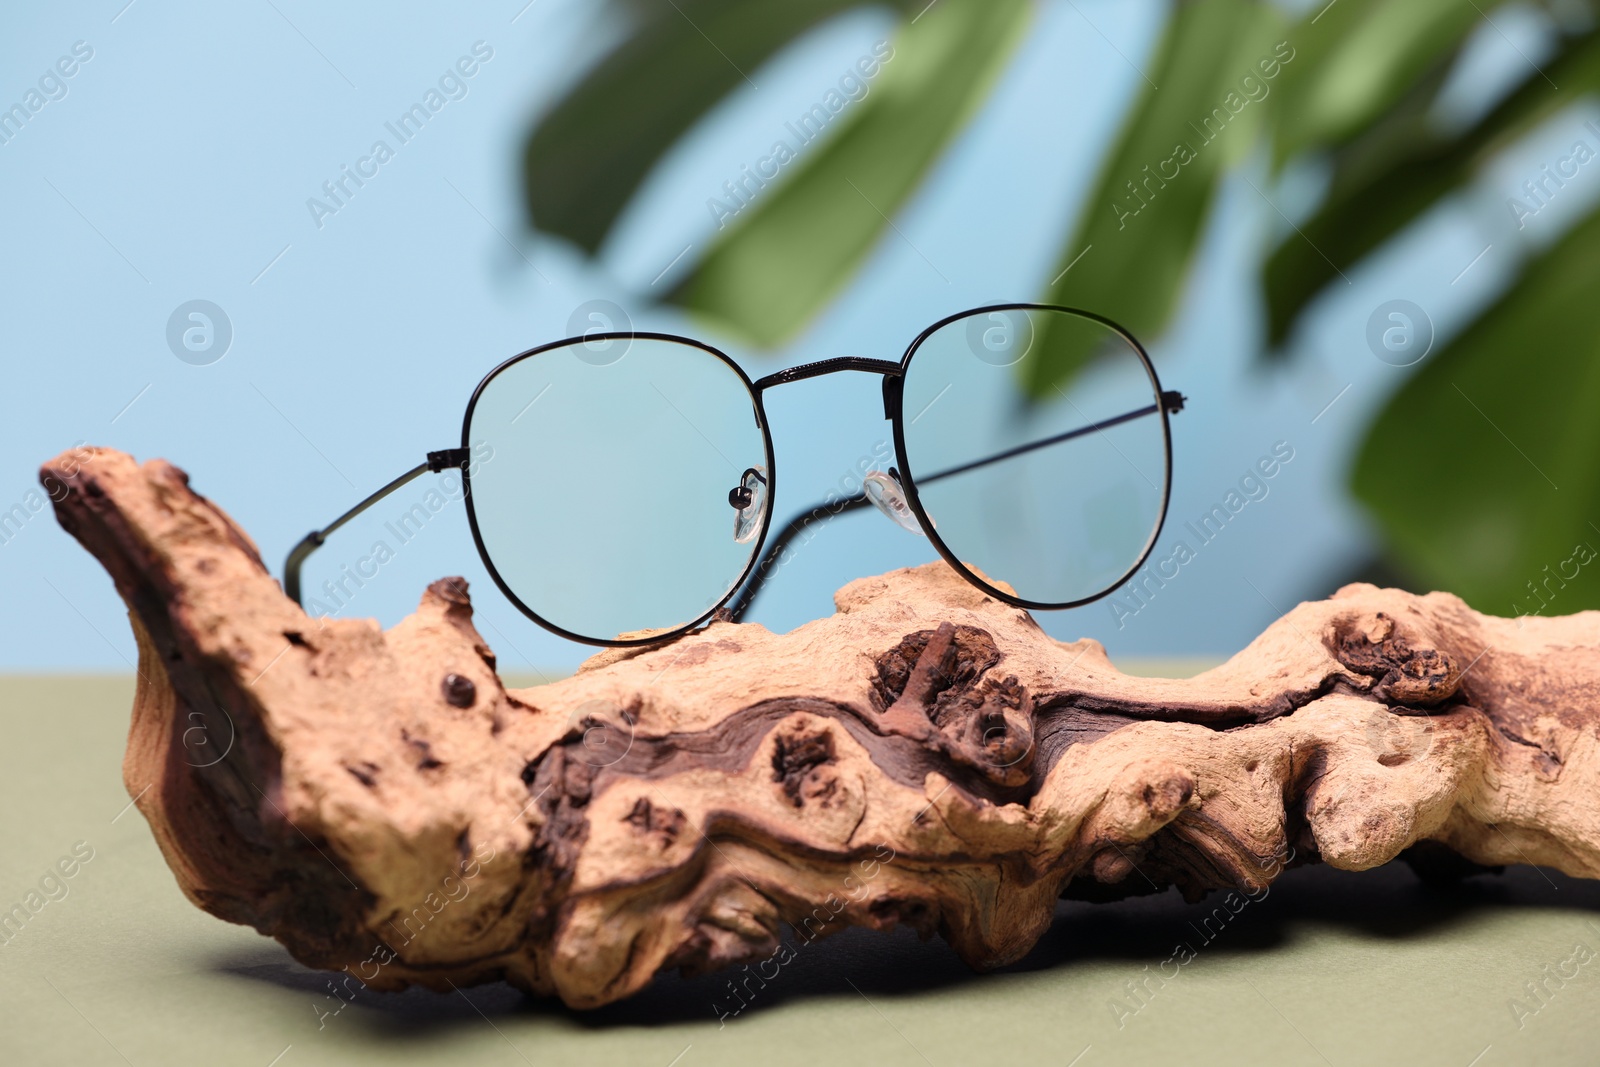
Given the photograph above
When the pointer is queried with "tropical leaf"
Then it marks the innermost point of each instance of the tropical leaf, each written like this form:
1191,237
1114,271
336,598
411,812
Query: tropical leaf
585,159
798,243
1400,168
1358,58
1484,470
1461,470
1131,250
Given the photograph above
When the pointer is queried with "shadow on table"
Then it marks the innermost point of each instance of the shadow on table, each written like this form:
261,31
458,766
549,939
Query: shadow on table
1387,904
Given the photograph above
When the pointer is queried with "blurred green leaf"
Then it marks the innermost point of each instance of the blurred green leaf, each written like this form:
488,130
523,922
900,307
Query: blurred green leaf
1132,247
1484,469
1357,59
585,159
799,242
1381,188
1461,468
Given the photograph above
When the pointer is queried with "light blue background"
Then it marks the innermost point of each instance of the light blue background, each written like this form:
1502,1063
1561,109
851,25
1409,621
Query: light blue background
179,164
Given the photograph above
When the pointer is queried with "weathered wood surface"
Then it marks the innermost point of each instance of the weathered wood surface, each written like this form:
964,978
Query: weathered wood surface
379,802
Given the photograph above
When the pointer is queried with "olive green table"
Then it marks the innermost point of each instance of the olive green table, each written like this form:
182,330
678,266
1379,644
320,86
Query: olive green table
115,967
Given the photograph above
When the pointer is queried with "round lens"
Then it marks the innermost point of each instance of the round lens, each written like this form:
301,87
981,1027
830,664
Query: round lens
1036,446
618,483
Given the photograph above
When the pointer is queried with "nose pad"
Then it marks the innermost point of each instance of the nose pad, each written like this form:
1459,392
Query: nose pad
749,501
888,497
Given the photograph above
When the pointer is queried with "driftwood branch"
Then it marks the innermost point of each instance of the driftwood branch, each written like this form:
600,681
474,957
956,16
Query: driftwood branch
379,802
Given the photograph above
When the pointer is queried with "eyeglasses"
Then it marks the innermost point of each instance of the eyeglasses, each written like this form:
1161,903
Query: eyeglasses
619,485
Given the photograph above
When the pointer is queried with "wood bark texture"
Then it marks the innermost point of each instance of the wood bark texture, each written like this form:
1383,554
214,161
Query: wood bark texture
379,802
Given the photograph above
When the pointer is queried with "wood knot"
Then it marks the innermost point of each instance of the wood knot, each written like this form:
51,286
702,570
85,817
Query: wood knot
459,691
929,663
1373,645
1164,797
991,730
802,763
931,687
660,824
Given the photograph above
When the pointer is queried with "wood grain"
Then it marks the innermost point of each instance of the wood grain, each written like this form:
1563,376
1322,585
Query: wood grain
379,802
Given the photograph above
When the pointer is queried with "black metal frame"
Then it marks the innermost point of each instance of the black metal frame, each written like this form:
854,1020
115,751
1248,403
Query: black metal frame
472,514
743,592
1164,403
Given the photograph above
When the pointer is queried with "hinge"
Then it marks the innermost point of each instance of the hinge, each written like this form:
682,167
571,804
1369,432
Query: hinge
1173,401
449,457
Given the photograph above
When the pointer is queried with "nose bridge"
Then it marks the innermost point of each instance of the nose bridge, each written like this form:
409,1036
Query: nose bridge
827,366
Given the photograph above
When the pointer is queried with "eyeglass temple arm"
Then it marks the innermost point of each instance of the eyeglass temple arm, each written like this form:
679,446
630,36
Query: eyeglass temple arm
1172,400
437,461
